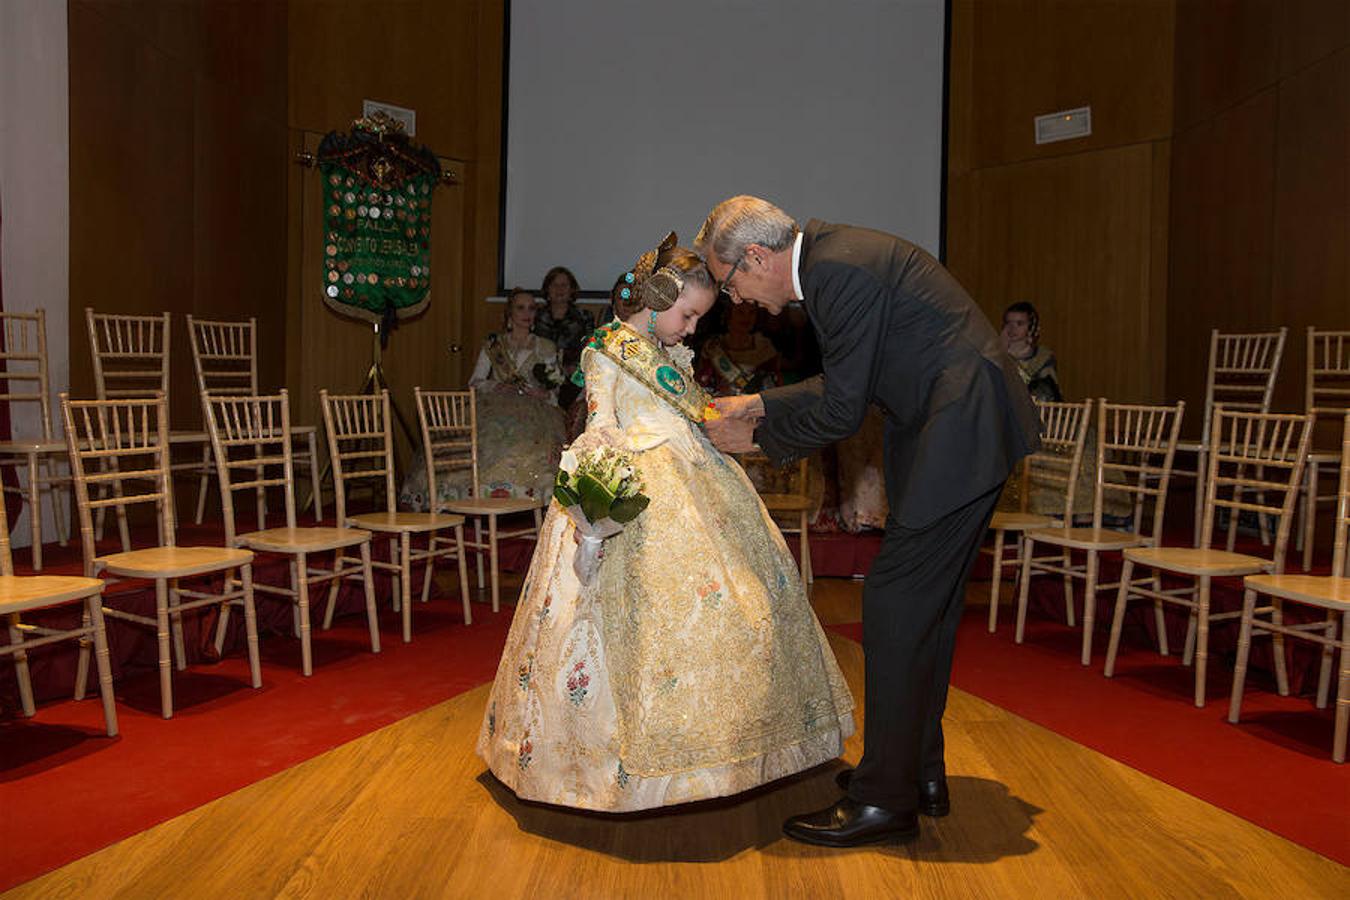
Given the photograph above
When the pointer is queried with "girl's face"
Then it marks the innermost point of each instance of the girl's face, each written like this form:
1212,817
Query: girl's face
522,312
1016,328
677,323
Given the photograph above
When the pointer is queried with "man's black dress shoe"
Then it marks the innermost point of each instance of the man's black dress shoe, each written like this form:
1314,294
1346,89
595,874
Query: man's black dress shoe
850,824
934,801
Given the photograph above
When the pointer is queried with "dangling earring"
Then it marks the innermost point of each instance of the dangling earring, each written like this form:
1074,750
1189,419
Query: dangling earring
651,324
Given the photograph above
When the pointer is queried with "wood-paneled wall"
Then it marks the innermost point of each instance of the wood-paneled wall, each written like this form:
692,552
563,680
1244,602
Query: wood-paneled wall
1079,227
1213,191
178,173
442,59
1260,212
185,120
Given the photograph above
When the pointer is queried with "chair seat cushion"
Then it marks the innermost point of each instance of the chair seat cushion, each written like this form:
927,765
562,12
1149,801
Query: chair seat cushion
22,592
1197,561
303,540
1019,521
482,506
173,562
1088,538
415,522
1324,591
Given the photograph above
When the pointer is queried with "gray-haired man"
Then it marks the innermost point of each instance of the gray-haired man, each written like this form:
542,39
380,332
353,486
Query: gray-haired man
898,331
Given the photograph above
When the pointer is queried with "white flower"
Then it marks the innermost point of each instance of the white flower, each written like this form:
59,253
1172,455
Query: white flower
569,462
626,472
682,356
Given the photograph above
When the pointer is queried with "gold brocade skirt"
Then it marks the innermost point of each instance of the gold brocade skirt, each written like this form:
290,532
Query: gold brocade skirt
692,667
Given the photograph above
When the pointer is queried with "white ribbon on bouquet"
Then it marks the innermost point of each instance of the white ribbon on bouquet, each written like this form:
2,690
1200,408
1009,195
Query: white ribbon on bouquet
590,542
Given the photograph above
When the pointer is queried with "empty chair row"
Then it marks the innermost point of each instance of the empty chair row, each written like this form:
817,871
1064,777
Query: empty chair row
119,454
1254,466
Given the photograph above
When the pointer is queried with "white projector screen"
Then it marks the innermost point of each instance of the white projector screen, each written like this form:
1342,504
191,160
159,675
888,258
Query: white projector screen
628,119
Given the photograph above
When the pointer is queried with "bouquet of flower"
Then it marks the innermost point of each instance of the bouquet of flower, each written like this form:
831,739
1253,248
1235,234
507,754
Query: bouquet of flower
601,492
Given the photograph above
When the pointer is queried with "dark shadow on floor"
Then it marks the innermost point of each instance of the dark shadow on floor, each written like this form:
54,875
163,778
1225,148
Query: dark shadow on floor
987,824
28,746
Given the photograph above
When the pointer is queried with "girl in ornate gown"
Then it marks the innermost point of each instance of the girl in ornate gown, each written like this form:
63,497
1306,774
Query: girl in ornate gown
520,427
692,666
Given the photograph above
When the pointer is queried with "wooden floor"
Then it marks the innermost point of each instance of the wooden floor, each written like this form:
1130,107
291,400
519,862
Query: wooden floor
408,811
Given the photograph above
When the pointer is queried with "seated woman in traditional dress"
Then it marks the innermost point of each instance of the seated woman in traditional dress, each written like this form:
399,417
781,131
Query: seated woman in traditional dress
692,666
565,324
520,427
1021,338
741,360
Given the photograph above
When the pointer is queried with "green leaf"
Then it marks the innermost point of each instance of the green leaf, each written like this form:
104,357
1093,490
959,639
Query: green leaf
566,496
627,509
596,499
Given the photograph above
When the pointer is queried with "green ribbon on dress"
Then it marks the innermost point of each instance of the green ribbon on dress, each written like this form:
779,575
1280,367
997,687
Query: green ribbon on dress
653,367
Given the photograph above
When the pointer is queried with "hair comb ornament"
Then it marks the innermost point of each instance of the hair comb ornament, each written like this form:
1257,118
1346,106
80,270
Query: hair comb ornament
674,275
663,285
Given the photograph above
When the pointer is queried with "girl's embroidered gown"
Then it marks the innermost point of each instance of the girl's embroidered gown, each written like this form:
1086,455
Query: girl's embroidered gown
693,666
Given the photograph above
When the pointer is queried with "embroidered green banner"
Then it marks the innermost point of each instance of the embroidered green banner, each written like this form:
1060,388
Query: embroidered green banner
377,192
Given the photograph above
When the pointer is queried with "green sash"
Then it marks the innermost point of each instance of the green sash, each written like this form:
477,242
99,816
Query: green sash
654,368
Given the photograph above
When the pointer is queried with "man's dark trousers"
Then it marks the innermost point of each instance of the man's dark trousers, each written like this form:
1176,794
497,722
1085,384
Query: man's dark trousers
912,603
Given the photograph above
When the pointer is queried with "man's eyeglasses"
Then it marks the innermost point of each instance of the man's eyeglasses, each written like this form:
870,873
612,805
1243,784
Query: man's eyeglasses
724,286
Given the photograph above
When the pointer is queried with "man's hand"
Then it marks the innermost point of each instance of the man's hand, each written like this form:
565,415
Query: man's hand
749,406
732,435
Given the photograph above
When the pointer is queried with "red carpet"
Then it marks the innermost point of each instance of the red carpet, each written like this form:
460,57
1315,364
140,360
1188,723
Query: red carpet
1273,769
78,790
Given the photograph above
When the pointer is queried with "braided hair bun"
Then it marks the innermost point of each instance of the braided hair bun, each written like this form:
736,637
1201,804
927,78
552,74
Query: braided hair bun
660,275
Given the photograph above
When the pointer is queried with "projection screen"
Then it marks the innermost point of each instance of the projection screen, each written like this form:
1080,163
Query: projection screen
627,119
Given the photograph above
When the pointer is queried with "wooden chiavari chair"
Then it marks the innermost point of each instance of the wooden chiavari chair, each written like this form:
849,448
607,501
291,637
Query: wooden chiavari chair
19,595
1241,376
23,360
1327,393
795,501
252,434
1244,448
130,354
225,360
1064,429
1135,450
1331,593
489,509
445,419
360,447
135,434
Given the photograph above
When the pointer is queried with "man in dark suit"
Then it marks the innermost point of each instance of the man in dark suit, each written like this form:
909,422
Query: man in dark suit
898,331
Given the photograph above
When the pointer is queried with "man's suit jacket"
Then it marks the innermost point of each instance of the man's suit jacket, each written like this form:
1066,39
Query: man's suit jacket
897,330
